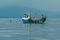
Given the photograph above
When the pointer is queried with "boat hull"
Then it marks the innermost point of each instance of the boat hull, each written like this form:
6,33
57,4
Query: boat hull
25,21
32,21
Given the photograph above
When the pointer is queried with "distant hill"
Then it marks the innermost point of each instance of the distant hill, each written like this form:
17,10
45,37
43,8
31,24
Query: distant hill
18,11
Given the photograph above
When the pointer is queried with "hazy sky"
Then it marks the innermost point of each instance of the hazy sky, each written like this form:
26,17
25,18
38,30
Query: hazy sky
52,5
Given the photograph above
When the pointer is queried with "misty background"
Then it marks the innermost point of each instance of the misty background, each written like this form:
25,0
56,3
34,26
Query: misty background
16,8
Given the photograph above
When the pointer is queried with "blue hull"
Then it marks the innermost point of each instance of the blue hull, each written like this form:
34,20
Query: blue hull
32,21
25,21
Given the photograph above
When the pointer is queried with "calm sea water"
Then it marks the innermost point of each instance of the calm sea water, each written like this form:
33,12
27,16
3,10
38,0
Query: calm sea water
14,29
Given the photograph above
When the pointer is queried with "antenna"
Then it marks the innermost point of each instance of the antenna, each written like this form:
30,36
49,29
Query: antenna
29,14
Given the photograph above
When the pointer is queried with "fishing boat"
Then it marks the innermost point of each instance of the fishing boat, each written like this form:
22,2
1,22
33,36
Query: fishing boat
28,19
